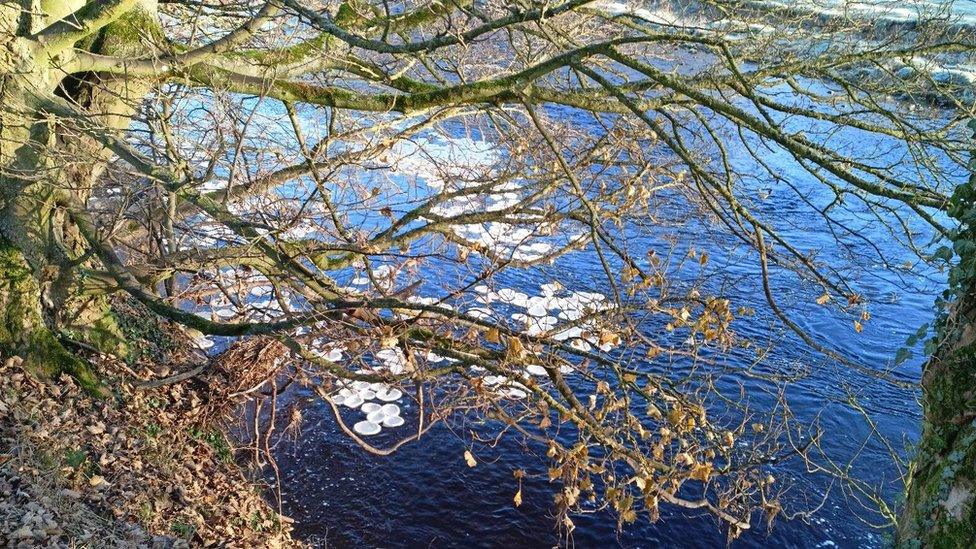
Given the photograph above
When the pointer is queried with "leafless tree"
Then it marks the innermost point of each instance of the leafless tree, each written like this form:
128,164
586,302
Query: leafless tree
355,179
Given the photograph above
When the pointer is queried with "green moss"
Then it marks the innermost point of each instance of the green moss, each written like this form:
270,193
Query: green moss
292,54
97,325
87,42
347,16
949,393
125,35
47,357
946,514
18,312
940,508
22,329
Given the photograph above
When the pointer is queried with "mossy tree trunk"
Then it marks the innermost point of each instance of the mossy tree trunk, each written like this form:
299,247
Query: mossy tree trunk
23,329
940,507
45,165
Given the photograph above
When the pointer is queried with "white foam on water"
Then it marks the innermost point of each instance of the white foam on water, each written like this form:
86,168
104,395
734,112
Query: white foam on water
370,407
376,416
389,395
366,428
442,161
393,360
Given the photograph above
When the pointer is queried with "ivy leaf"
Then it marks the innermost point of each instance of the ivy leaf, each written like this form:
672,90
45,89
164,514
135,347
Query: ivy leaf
944,253
919,334
903,354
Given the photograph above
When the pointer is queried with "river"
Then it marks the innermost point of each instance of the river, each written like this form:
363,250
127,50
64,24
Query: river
425,495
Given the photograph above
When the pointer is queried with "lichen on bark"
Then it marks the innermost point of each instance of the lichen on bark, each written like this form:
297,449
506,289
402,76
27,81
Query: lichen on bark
23,332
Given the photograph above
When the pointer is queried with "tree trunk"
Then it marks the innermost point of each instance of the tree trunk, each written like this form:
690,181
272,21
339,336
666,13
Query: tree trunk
43,166
940,506
940,510
23,330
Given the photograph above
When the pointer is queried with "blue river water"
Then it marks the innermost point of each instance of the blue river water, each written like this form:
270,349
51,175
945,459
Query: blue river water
425,495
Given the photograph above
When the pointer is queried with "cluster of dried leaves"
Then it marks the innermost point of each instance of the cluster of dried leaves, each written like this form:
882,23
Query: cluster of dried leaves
147,466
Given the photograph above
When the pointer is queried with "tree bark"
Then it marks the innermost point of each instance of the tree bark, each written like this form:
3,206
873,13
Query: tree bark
44,164
940,506
23,330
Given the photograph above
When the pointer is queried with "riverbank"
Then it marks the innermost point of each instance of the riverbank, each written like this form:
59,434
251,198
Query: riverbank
147,466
